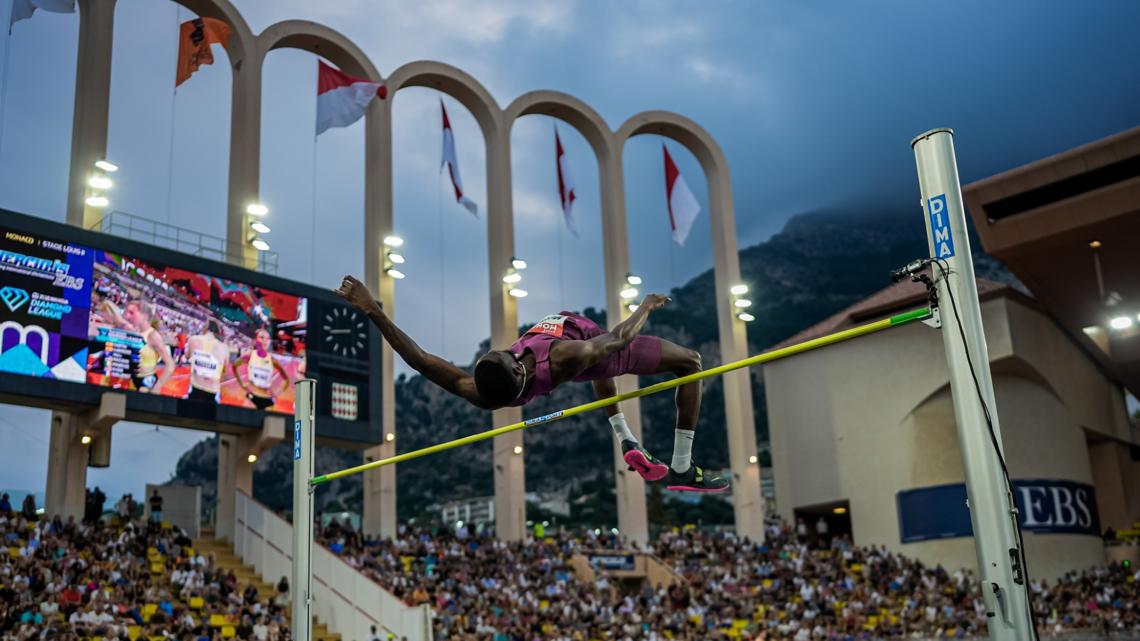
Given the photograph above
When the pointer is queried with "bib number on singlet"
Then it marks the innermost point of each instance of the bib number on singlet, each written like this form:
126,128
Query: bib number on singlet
260,375
205,365
552,325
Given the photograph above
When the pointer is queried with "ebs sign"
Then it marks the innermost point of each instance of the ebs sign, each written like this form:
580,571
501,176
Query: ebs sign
940,512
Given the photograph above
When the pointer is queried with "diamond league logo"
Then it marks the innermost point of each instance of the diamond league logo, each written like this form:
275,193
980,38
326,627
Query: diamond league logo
14,297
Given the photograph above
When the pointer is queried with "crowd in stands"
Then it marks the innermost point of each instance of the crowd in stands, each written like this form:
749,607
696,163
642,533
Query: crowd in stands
787,589
118,578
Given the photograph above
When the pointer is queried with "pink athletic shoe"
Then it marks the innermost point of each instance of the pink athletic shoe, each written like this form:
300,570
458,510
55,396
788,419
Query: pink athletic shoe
642,462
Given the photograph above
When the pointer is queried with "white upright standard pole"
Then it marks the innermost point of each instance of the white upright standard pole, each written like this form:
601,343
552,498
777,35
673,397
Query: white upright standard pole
993,512
303,509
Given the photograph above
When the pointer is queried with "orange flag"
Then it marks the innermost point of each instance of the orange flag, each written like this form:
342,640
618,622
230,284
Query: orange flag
194,40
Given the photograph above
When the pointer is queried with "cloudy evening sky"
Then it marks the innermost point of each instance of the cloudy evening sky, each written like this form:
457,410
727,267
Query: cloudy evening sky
814,104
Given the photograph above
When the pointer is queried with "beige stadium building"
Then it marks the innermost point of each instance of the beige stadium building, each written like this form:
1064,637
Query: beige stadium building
863,432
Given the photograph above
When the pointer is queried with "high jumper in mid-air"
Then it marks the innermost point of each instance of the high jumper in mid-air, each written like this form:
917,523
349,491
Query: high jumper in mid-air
568,347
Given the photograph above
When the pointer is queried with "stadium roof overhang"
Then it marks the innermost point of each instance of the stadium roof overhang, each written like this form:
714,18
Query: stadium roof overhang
1068,226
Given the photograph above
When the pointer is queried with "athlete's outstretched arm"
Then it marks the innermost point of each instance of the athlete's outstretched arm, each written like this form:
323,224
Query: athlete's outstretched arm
436,369
569,358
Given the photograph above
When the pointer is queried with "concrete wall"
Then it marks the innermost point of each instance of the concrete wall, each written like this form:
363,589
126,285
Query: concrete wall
181,505
345,600
861,420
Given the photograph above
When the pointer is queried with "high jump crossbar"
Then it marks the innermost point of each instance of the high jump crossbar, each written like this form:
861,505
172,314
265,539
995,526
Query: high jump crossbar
767,357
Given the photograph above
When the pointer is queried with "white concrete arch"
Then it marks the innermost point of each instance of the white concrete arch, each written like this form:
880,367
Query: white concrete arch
748,503
322,41
456,83
510,490
629,487
568,109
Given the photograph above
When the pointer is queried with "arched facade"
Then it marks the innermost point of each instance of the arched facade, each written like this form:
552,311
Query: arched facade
247,52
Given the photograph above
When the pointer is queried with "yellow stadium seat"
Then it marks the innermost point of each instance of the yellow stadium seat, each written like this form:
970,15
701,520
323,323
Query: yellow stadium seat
157,638
739,624
188,551
196,603
13,551
228,632
217,620
133,631
96,638
148,611
157,568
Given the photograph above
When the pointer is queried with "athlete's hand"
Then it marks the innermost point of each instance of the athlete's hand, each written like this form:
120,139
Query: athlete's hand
355,292
654,301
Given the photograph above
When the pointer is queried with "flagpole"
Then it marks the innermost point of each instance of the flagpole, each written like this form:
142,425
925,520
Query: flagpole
173,121
561,214
442,269
313,237
561,290
4,75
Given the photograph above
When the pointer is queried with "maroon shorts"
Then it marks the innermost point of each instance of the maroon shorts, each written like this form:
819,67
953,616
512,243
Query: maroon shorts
641,357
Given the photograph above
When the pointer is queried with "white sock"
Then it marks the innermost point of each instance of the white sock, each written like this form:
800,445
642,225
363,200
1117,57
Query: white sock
621,430
682,450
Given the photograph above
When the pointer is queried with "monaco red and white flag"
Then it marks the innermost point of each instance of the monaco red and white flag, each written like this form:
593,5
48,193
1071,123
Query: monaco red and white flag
683,206
341,98
451,161
566,193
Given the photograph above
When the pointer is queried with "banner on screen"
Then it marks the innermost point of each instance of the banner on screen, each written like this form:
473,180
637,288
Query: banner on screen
84,315
1047,506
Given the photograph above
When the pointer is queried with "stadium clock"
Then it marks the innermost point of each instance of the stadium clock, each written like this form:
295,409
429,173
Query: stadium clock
345,332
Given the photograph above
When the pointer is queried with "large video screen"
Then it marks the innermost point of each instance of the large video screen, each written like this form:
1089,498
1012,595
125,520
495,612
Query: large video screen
85,315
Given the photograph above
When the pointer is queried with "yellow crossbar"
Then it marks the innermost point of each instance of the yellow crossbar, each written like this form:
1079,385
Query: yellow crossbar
767,357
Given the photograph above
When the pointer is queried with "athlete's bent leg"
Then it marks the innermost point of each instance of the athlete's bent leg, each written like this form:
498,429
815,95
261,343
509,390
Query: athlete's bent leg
683,474
636,456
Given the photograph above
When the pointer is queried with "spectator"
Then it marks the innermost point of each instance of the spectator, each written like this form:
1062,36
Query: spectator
29,509
821,531
123,507
375,636
281,599
156,507
5,505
